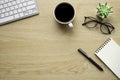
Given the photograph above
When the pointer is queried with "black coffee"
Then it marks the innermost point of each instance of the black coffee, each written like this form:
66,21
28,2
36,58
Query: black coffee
64,12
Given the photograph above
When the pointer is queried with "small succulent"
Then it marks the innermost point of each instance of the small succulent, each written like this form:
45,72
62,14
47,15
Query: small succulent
104,10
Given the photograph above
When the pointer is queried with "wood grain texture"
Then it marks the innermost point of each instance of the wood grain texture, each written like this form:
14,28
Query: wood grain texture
38,48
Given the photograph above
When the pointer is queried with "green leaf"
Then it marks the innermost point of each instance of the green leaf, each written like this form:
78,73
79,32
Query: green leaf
100,5
106,4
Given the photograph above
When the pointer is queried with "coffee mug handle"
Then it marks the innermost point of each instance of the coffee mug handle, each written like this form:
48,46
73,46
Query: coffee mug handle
70,25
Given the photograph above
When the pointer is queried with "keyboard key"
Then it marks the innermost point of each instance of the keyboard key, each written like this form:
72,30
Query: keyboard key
21,14
2,1
16,16
9,4
30,11
16,6
30,7
13,3
11,12
8,9
20,5
6,1
24,9
6,14
15,11
30,2
3,10
18,1
19,10
5,5
1,6
22,0
12,8
3,20
24,4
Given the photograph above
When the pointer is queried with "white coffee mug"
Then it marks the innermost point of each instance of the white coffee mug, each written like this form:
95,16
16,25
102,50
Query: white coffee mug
64,13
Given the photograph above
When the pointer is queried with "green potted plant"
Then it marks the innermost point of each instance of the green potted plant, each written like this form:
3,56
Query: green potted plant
103,11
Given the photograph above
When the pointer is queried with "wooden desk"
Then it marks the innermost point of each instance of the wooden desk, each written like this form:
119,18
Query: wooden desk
38,48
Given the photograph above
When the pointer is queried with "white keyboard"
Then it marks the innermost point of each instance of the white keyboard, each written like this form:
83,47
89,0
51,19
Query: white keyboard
12,10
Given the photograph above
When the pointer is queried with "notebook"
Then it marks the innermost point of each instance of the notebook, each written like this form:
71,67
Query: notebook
109,53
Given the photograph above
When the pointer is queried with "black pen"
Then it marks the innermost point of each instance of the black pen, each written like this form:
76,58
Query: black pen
90,59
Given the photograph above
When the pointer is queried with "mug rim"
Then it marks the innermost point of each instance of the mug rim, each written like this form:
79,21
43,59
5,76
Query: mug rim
70,21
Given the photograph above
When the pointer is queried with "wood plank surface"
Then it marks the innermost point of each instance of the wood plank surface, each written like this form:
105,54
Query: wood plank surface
38,48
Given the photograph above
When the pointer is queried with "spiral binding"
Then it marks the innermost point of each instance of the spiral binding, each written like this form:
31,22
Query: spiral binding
103,45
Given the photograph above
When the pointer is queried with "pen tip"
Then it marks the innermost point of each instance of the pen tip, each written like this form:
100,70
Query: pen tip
101,69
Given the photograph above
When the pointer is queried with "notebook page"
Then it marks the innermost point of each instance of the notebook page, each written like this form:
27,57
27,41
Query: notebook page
110,55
